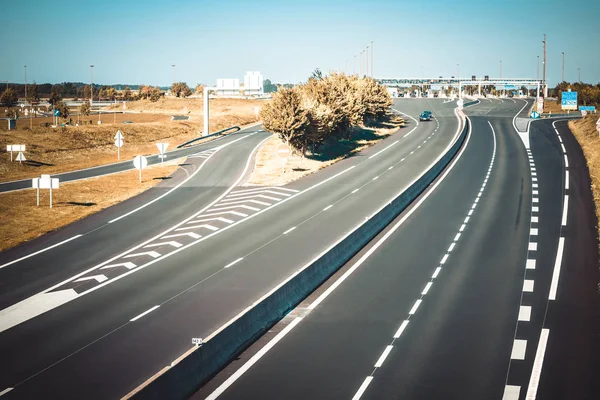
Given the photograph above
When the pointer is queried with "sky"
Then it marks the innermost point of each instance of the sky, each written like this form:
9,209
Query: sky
138,41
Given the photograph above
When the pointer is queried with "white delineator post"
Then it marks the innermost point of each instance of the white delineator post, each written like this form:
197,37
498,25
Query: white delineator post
16,148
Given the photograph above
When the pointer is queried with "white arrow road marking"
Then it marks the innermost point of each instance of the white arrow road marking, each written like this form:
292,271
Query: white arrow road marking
207,226
226,212
230,207
152,254
262,191
171,243
128,265
227,221
98,278
262,203
190,234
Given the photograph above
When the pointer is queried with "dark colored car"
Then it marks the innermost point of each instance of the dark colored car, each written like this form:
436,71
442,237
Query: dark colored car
425,116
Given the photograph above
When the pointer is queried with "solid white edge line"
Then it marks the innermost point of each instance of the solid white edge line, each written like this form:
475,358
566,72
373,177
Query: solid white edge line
557,267
289,230
401,329
237,374
178,185
144,313
383,356
2,393
234,262
565,210
39,251
328,207
538,363
362,388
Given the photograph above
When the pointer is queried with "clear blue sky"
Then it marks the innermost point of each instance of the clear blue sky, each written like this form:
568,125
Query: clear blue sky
136,41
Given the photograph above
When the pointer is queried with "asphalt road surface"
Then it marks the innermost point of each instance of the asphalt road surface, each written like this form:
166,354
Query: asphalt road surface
457,297
122,301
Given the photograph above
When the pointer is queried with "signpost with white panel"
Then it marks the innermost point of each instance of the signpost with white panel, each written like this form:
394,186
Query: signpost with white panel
119,143
45,182
16,148
283,151
140,162
162,148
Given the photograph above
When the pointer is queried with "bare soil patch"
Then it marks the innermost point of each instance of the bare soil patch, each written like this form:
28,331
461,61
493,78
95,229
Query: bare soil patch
23,220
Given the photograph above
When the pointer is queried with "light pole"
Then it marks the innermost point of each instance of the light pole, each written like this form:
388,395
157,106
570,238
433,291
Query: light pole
579,74
372,59
361,63
537,74
25,66
544,68
500,69
458,77
367,61
172,74
563,67
354,68
91,85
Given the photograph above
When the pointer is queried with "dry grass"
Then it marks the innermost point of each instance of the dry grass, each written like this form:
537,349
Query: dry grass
269,167
585,132
553,106
23,221
55,150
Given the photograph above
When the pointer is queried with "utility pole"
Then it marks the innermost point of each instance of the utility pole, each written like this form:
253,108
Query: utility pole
537,74
91,85
354,69
563,67
367,61
172,74
544,69
25,66
372,75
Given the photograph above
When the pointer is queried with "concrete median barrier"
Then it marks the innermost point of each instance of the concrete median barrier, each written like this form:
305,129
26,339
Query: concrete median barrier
192,370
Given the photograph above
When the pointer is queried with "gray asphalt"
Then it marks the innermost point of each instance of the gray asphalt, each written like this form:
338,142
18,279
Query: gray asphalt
458,343
92,340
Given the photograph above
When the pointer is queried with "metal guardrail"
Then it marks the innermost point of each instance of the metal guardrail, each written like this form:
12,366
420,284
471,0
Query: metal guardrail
232,128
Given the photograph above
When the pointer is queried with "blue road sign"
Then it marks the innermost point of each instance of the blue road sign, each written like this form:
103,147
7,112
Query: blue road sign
57,113
569,100
535,115
587,108
509,87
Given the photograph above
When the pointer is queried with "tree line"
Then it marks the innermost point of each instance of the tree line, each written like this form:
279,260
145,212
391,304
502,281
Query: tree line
587,94
324,109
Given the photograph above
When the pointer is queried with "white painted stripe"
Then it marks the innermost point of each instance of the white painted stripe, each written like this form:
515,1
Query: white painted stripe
226,220
530,264
254,196
535,200
566,179
535,192
535,219
144,313
436,272
2,393
535,209
462,227
239,214
511,392
362,388
470,213
392,167
563,148
39,251
258,189
557,267
234,262
328,207
128,265
534,174
97,278
457,237
355,190
383,356
415,307
403,159
219,208
230,202
467,220
426,289
566,161
536,371
474,205
535,185
518,350
444,259
170,243
451,247
377,177
207,226
525,313
152,254
565,210
237,374
263,191
534,179
381,151
533,232
401,329
289,230
190,234
528,285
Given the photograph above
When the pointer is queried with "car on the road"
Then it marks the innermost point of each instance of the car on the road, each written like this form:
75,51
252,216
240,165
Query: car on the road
425,116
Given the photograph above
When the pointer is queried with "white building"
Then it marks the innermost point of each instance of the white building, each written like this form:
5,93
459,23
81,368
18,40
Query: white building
253,86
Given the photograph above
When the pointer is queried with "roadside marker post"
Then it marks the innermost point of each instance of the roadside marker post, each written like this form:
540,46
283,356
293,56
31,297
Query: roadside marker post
140,162
119,143
598,126
162,148
21,157
283,151
16,148
45,182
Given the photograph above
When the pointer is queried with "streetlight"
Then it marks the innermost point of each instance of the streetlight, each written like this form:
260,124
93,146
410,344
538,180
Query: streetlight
372,59
563,67
25,66
537,74
173,74
354,69
367,61
579,74
91,85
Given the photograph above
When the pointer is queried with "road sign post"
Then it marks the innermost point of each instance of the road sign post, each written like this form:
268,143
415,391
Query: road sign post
598,126
21,157
119,143
162,148
45,182
283,151
16,148
140,162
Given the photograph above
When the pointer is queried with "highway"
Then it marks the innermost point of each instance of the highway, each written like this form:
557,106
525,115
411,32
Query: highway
451,300
127,165
118,304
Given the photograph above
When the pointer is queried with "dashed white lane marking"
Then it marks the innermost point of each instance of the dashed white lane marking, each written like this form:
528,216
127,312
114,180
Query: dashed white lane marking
426,288
401,329
530,264
533,232
518,350
535,209
525,313
528,285
436,272
565,210
234,262
144,313
377,177
535,219
289,230
556,271
563,148
236,375
566,161
444,259
466,220
328,207
536,372
383,356
567,179
355,190
415,307
362,388
511,392
462,227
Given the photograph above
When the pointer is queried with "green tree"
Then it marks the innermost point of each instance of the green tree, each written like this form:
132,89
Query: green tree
199,88
9,98
316,74
63,108
269,87
155,94
12,113
180,89
85,108
127,93
55,95
33,96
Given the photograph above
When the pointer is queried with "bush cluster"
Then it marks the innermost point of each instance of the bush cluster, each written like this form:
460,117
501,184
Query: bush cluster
324,109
